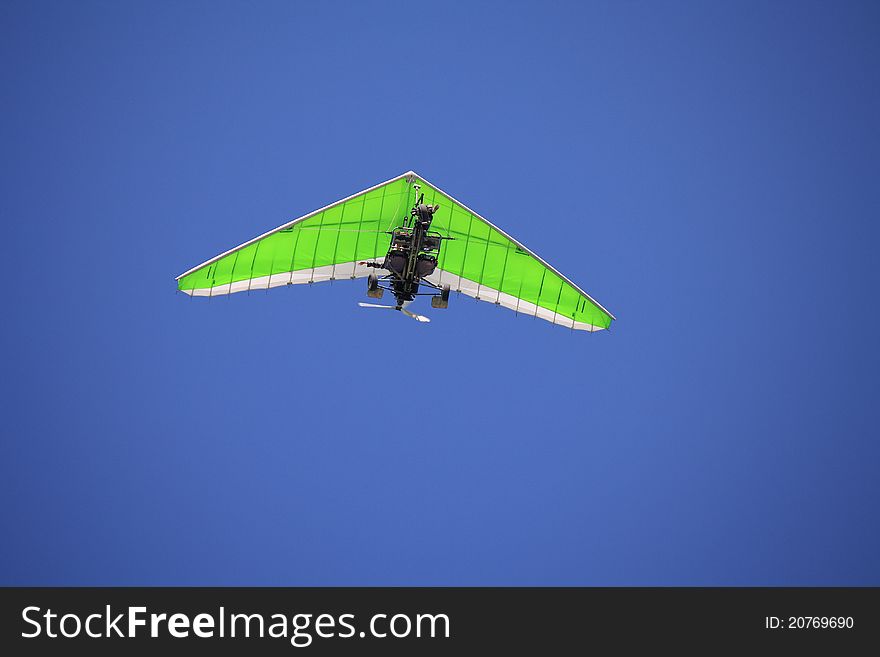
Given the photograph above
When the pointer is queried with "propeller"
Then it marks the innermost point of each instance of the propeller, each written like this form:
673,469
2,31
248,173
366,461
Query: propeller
418,318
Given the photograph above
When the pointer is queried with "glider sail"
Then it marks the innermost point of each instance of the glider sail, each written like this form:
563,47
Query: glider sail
480,261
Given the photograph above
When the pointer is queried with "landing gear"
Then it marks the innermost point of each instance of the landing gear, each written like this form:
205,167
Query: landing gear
373,289
441,300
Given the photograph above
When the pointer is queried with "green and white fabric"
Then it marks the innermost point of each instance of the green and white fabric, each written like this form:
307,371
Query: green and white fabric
481,261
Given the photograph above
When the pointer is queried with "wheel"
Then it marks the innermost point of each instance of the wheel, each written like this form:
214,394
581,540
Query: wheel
441,300
373,289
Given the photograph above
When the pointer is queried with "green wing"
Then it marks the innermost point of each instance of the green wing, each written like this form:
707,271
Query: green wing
321,246
481,261
485,263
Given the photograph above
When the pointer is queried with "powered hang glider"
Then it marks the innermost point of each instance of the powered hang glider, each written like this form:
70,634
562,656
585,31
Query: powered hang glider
437,245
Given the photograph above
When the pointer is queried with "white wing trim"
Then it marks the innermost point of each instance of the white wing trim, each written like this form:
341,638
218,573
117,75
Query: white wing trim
481,292
342,271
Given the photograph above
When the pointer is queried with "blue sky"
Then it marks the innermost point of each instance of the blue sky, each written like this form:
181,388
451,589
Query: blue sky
707,171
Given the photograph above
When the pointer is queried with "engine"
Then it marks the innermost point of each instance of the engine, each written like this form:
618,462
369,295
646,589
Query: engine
425,265
396,261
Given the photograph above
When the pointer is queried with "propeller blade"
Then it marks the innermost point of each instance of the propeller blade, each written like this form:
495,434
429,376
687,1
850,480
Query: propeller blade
375,305
418,318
